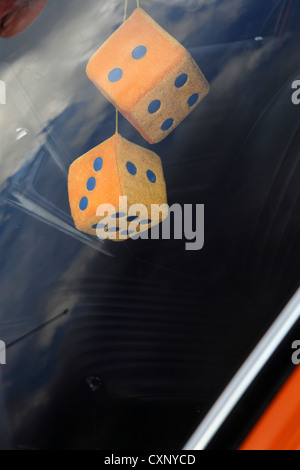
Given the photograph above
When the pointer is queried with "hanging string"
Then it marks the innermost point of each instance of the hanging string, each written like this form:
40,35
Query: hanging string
117,121
124,19
125,11
117,113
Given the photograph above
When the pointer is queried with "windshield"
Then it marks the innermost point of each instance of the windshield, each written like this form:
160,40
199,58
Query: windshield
137,339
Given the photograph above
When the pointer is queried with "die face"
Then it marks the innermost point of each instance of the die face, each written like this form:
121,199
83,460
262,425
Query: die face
142,181
93,180
133,60
161,110
140,174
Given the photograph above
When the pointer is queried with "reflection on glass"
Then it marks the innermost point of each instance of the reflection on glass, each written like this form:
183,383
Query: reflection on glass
17,15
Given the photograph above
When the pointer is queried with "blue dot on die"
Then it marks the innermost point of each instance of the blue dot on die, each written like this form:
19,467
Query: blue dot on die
127,233
91,184
193,99
167,124
139,52
131,168
151,176
181,80
99,226
145,222
154,106
98,164
115,75
83,203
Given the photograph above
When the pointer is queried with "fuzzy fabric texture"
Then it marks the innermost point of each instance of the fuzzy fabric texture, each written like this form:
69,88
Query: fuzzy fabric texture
116,168
148,76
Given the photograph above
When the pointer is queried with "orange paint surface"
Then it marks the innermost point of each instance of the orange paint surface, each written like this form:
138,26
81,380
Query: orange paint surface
279,427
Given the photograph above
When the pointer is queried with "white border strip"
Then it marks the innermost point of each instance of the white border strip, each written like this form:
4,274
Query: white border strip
245,376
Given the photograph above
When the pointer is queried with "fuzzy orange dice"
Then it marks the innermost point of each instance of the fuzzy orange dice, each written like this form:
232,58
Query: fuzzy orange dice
122,179
148,76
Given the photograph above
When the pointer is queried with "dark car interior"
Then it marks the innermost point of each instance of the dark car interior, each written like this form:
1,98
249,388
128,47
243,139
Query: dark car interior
128,345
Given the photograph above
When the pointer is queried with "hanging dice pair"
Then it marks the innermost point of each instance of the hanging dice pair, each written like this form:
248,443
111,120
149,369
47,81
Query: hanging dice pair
155,83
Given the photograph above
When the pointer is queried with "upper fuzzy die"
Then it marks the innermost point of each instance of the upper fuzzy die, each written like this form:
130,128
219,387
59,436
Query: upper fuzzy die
148,76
